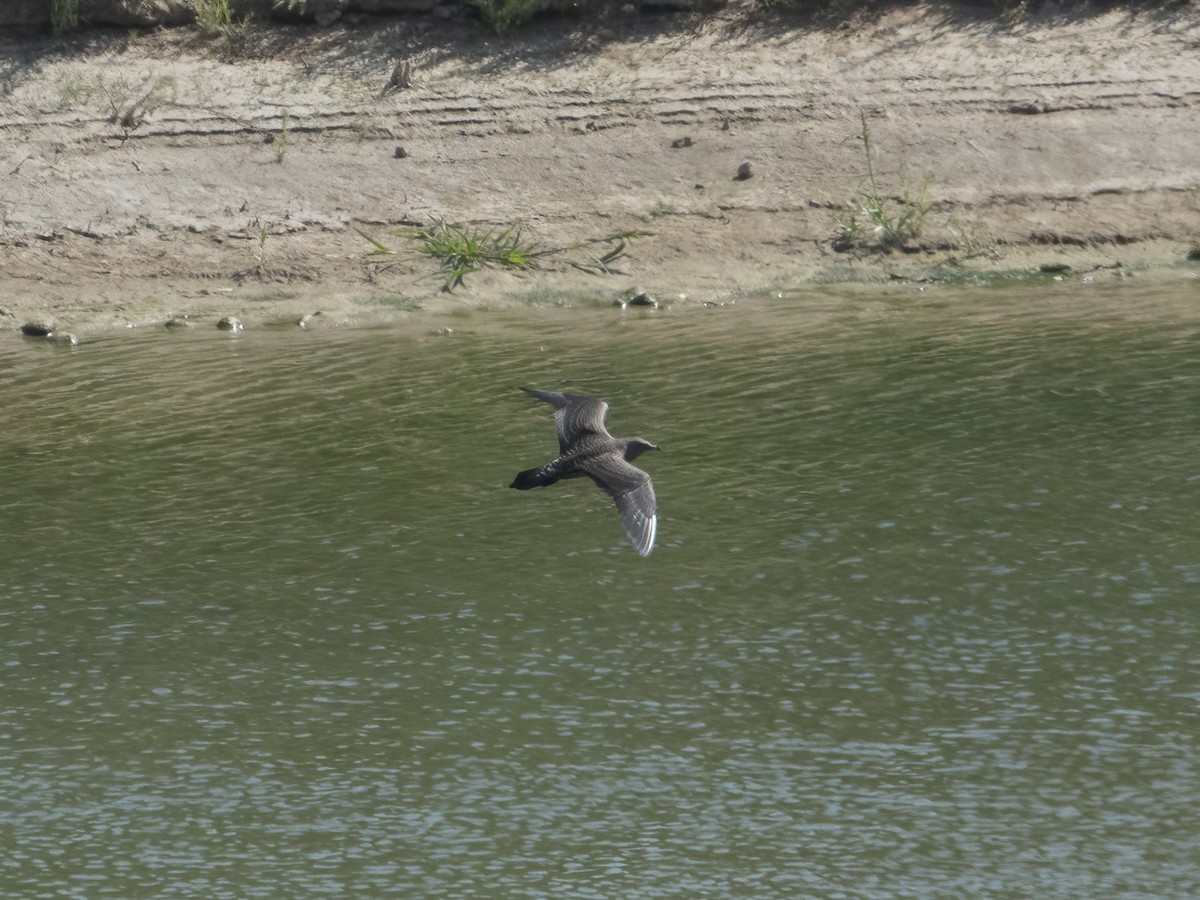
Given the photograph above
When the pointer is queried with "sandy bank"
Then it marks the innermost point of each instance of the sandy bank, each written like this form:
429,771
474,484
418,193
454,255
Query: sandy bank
166,175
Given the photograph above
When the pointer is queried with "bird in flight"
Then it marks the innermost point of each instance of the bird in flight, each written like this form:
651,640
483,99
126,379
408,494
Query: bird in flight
586,448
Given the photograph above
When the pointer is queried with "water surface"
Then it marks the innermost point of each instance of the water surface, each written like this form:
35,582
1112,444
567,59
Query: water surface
922,619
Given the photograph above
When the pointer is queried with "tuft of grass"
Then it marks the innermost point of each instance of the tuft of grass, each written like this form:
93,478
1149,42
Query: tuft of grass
970,238
888,223
216,17
462,250
263,234
64,15
617,242
502,16
1012,12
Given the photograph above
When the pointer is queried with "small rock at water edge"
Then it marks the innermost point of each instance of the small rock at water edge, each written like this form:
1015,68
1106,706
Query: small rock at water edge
37,329
638,297
229,323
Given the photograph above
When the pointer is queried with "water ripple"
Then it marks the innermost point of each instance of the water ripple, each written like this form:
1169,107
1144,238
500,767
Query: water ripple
920,621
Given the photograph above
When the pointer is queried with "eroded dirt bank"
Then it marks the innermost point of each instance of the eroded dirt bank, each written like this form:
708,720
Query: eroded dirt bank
168,175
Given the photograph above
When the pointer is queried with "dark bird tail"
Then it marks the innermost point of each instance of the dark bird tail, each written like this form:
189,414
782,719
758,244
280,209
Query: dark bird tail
531,478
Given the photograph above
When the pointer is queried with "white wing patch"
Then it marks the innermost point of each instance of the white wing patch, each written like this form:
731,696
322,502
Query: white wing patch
645,549
639,516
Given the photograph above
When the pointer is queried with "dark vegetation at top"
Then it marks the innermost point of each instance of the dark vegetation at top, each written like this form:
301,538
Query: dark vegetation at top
508,17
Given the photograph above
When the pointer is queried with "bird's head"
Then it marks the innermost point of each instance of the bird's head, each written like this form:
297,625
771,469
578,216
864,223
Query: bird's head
635,447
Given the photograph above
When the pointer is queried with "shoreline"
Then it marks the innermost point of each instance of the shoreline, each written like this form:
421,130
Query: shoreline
161,177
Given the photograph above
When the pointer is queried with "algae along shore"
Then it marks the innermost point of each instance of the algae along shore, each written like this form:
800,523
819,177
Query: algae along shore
379,165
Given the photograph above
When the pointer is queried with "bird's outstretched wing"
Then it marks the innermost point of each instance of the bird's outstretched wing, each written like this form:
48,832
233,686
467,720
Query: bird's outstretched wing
574,416
633,493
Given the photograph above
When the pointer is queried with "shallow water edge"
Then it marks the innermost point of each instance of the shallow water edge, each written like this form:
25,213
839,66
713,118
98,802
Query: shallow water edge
423,307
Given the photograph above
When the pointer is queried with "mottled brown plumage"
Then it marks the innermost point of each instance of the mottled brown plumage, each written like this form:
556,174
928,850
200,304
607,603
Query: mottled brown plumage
586,448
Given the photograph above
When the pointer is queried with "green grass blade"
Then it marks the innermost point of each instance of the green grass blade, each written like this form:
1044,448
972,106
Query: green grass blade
380,248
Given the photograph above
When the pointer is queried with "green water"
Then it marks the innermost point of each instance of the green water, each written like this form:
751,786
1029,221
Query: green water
923,618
